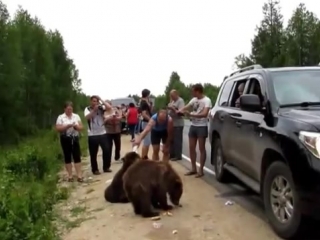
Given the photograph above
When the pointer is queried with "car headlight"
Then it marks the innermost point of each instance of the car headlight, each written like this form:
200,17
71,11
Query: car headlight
312,142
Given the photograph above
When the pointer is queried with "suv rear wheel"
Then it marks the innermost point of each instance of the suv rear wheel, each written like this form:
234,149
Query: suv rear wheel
222,175
281,201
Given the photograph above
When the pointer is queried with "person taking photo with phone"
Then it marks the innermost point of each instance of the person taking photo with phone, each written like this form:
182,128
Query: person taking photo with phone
175,104
69,125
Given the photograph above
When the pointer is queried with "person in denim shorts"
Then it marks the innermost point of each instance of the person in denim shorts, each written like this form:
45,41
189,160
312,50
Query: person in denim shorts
146,115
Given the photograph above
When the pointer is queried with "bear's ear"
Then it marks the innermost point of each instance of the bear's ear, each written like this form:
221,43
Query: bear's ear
137,156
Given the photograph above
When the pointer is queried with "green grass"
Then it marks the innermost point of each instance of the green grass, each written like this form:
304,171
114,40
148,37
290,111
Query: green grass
29,187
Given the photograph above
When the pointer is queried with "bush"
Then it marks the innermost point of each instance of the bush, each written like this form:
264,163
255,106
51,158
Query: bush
28,188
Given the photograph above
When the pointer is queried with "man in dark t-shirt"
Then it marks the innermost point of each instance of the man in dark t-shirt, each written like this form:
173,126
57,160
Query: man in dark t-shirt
145,109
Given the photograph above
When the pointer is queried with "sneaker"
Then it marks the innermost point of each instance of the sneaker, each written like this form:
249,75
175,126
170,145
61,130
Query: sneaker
96,172
107,170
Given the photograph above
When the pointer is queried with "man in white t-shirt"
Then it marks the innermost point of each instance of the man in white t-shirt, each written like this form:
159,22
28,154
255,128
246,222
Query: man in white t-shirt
198,131
97,133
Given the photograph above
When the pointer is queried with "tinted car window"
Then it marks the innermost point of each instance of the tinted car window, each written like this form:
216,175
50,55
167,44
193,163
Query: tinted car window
225,93
296,86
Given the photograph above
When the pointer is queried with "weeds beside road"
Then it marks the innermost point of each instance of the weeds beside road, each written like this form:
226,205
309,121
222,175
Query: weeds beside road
28,188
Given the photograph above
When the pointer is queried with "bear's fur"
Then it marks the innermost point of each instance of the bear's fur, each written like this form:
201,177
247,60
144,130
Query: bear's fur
114,193
147,183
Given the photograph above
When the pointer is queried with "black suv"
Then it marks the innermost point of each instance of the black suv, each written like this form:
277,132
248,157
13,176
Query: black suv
266,132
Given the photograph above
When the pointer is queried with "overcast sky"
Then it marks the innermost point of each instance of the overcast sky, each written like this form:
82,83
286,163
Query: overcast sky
123,46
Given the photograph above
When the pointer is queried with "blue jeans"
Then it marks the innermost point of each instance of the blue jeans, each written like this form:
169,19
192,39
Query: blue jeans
132,128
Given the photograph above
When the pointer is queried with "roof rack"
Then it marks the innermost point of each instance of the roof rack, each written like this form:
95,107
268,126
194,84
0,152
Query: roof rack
256,66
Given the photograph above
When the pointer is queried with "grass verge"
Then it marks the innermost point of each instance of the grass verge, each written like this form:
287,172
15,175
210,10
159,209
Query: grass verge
29,188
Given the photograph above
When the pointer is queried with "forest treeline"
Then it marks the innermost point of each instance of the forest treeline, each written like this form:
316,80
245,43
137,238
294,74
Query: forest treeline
278,45
36,76
275,44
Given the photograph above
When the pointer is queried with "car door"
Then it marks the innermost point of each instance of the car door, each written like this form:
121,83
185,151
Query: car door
249,128
235,147
219,121
231,142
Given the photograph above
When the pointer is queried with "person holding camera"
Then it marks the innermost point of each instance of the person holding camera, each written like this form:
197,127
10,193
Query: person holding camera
97,133
112,121
178,123
69,125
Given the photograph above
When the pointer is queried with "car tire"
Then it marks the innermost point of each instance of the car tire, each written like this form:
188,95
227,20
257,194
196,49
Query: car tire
222,175
293,227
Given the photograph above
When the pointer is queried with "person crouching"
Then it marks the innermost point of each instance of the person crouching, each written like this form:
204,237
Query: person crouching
161,127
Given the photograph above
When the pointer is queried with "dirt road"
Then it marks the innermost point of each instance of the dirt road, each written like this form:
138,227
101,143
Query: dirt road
203,216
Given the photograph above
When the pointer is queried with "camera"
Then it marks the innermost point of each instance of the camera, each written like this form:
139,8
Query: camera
180,114
100,107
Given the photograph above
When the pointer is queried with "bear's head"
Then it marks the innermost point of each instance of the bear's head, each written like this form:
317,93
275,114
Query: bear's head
129,159
175,192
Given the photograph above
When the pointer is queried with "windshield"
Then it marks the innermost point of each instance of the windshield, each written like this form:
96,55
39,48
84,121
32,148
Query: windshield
294,87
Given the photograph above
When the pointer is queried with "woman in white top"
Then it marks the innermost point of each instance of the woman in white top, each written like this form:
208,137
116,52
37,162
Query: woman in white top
69,125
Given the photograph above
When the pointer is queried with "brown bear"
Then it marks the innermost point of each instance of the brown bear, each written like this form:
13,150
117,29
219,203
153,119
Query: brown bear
114,193
147,183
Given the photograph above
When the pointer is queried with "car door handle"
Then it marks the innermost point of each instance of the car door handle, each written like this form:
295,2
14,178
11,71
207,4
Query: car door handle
235,115
238,123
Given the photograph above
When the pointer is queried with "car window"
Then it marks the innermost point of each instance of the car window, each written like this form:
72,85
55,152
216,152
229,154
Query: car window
225,93
292,87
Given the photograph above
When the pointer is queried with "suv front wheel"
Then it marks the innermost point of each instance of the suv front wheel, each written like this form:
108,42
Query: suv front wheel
281,201
218,161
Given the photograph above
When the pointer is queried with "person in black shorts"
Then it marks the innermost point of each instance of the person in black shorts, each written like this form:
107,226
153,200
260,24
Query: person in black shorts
160,128
69,125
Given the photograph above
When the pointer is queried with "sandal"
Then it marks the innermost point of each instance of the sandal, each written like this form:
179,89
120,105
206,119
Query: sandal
199,175
70,179
190,173
80,179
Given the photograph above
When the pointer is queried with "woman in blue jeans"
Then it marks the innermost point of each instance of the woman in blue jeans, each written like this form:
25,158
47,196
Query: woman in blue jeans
160,127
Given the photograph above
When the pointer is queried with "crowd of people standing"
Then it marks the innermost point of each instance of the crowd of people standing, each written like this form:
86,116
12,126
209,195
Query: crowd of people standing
145,127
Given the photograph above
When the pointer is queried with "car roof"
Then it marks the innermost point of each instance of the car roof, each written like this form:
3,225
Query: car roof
258,69
125,101
280,69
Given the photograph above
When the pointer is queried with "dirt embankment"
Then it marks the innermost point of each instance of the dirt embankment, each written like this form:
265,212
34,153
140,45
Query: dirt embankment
203,216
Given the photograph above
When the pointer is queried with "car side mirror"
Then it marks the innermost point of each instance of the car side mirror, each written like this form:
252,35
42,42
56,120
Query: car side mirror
250,103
